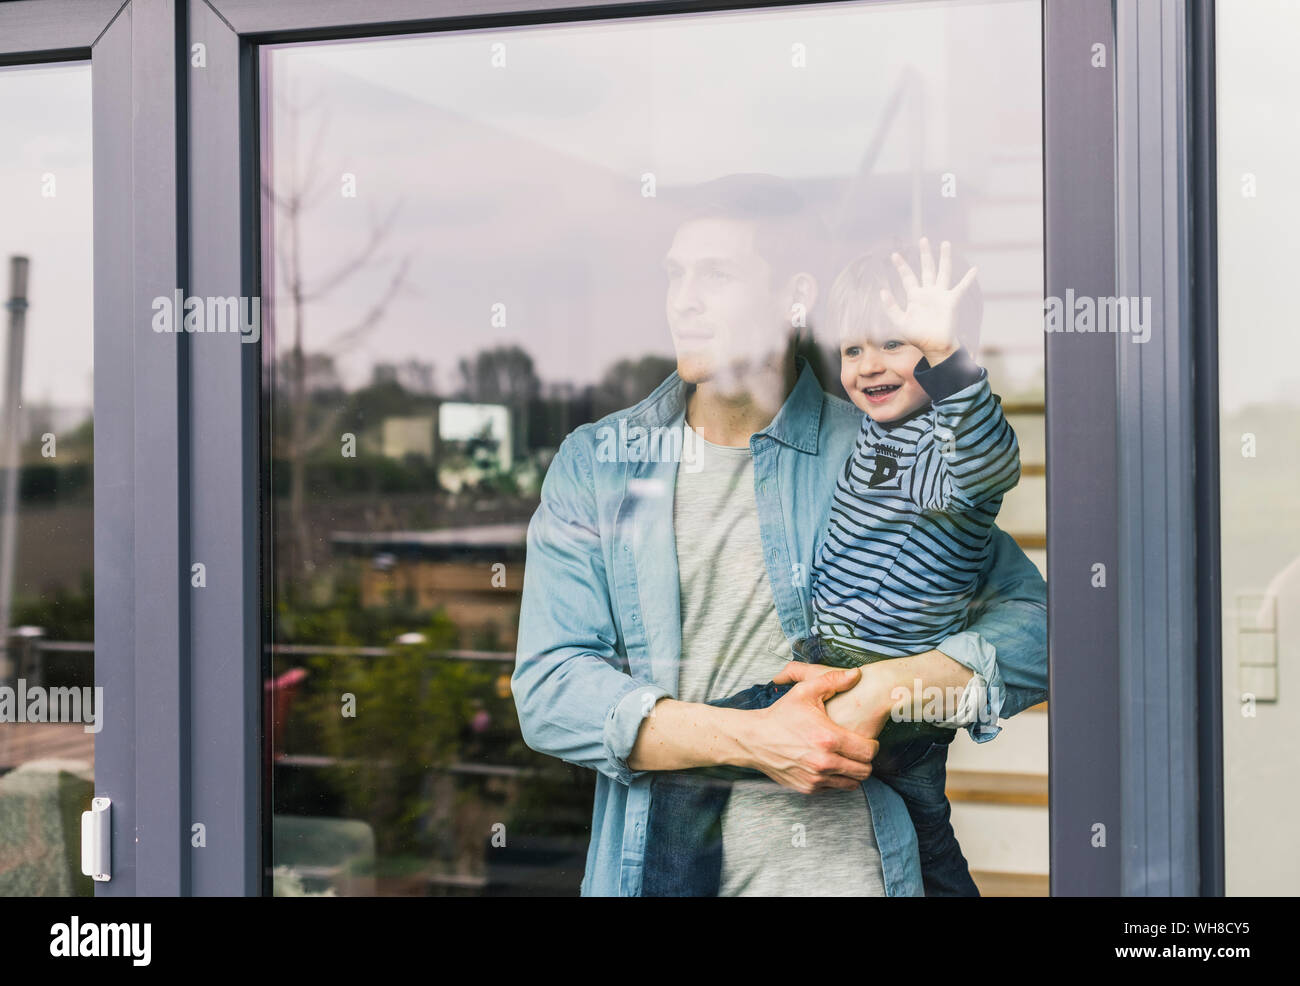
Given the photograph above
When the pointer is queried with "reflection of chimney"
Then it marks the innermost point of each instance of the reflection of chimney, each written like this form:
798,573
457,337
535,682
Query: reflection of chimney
9,432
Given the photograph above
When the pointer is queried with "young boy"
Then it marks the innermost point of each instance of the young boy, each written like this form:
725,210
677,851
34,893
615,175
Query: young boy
907,537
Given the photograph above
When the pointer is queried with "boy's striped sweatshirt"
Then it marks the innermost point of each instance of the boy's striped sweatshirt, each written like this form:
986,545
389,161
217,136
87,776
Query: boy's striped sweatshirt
914,507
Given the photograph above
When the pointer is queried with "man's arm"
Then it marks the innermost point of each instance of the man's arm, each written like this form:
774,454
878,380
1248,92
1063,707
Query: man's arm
1006,641
793,741
572,688
577,699
1005,647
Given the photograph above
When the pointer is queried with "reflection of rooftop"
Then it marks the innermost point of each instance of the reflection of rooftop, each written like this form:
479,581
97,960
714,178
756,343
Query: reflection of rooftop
456,541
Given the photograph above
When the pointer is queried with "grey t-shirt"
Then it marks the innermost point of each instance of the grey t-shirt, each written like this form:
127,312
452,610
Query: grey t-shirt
775,842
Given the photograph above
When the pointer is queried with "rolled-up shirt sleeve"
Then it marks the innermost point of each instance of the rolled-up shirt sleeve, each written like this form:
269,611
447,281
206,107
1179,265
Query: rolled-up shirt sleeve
971,705
1005,644
976,711
623,724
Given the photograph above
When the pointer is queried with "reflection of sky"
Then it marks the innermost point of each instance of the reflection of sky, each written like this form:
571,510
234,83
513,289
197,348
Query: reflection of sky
521,185
45,129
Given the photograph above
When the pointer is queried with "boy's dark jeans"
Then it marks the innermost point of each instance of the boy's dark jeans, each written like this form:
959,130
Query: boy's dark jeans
684,832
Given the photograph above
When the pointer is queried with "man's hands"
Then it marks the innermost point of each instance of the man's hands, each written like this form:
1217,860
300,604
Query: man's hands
863,708
930,320
795,743
819,736
901,687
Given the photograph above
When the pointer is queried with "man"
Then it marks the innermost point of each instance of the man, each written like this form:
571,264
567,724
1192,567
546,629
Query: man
650,590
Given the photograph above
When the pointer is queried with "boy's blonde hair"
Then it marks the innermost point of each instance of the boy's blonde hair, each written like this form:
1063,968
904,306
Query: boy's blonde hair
854,302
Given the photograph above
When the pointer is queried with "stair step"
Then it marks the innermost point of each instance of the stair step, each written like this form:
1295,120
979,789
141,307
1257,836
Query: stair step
993,883
997,788
1029,540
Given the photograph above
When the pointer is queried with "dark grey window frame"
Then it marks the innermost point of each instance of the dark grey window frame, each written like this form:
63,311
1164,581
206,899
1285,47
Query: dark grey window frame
141,607
179,424
1082,498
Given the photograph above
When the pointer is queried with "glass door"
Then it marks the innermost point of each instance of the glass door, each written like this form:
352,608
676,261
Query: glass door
1258,462
50,705
468,254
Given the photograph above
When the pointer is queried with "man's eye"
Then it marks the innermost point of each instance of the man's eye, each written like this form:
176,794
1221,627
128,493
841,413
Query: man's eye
719,275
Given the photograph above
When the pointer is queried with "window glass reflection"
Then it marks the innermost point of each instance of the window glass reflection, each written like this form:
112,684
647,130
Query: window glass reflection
49,705
1259,208
465,240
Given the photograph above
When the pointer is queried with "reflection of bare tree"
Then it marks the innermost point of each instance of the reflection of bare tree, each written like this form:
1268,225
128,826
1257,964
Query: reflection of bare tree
629,381
504,375
301,183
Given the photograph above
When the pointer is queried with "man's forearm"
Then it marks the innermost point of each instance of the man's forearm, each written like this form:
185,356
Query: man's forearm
904,687
681,735
923,677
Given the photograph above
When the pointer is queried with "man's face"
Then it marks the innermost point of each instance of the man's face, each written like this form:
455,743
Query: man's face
877,376
726,319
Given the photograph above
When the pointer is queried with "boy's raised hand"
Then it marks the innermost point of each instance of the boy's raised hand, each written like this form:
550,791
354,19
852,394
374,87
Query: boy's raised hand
930,320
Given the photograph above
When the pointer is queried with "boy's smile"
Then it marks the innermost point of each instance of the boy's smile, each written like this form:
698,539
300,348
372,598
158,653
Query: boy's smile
881,393
877,376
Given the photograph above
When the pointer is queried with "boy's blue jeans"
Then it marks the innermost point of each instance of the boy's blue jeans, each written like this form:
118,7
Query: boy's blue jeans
683,855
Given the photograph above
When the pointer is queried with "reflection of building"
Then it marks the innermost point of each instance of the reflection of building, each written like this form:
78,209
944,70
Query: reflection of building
468,442
483,430
408,436
474,574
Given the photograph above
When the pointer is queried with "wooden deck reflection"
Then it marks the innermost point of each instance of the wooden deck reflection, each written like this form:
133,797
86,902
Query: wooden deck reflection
23,742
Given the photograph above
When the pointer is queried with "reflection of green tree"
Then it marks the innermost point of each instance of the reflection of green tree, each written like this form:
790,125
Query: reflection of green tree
415,712
410,710
64,614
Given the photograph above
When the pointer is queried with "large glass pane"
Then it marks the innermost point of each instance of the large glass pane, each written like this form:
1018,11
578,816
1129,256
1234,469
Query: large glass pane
49,707
1258,92
469,240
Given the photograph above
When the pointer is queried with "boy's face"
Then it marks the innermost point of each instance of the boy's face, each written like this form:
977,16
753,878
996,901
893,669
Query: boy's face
877,375
727,321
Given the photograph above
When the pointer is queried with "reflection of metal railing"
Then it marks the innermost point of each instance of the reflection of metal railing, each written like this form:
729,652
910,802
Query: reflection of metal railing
27,647
491,656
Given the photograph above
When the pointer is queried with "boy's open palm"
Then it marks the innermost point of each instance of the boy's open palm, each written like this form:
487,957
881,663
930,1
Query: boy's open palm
930,320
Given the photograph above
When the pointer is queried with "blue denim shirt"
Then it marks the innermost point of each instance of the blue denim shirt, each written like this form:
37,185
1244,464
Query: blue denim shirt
600,627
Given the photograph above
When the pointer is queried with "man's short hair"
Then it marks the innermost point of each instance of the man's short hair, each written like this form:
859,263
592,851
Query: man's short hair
789,234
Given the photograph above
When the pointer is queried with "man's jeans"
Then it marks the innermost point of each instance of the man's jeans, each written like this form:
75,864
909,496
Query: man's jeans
683,856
